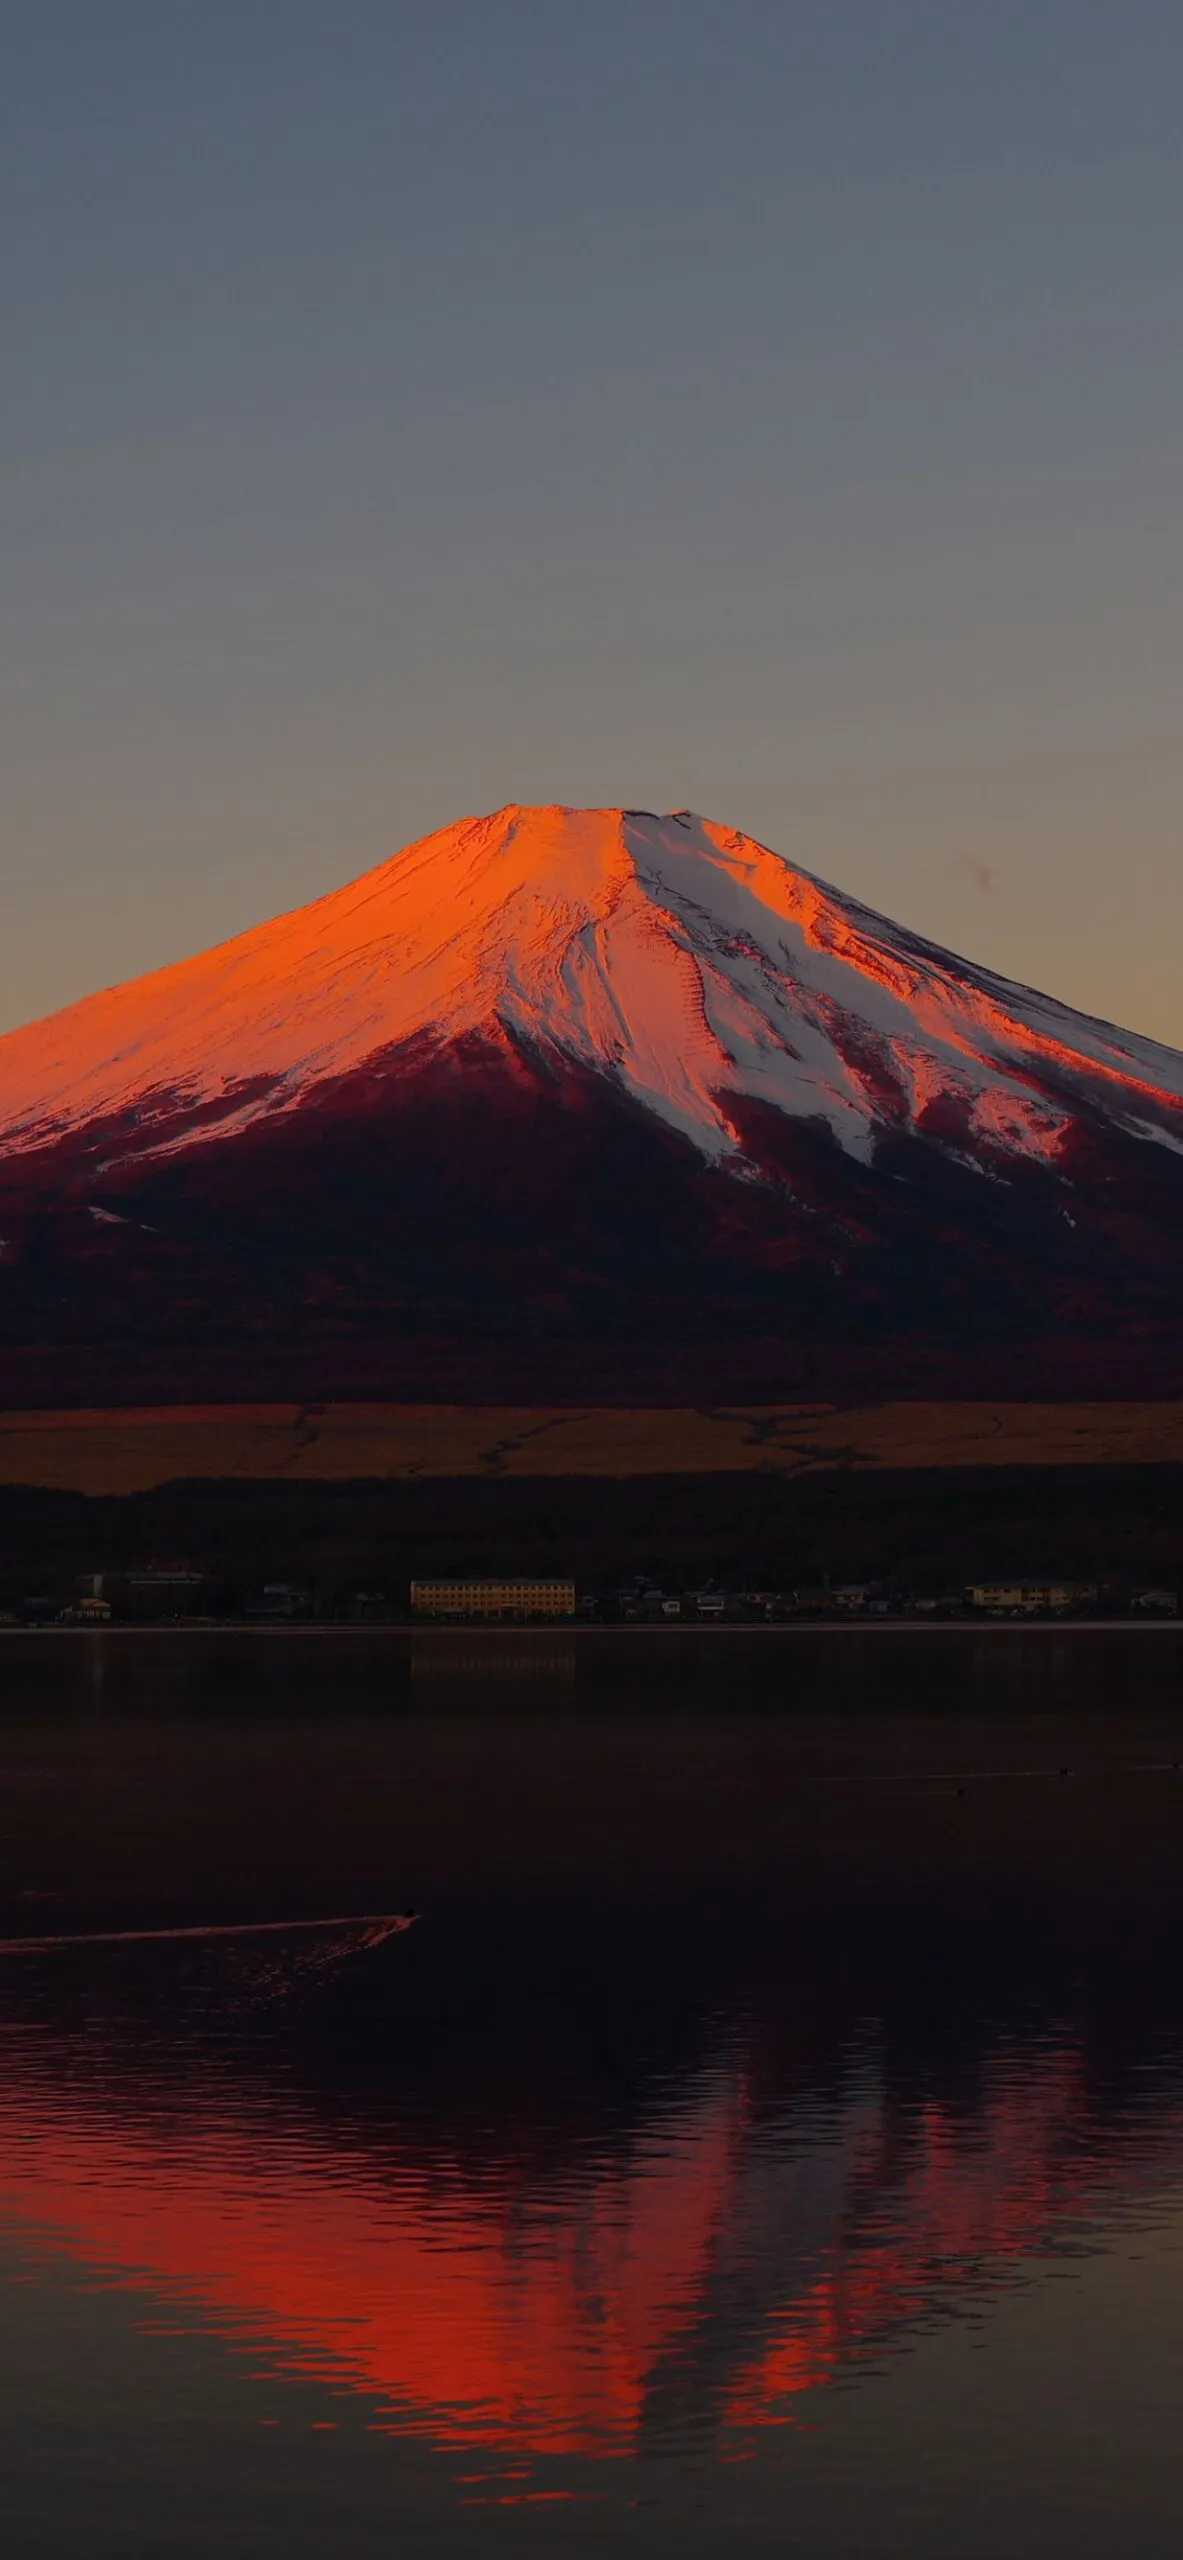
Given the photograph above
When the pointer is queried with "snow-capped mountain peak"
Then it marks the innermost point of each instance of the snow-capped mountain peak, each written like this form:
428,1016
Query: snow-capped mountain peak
685,962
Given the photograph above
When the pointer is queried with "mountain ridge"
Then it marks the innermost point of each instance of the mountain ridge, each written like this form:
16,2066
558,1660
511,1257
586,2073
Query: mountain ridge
683,958
556,1102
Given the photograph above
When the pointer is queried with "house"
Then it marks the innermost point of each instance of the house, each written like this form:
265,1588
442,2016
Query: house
368,1608
166,1591
279,1603
87,1612
152,1591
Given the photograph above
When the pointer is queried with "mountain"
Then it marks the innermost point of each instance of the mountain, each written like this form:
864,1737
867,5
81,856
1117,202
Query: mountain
586,1101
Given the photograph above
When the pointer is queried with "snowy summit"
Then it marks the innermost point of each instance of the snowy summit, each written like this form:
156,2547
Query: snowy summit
680,960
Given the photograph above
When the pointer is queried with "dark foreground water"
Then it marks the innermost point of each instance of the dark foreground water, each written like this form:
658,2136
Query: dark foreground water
769,2140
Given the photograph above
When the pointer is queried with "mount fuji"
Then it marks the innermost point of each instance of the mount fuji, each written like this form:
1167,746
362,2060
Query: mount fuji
593,1102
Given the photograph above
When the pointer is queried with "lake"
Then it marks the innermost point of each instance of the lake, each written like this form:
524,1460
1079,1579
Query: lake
767,2139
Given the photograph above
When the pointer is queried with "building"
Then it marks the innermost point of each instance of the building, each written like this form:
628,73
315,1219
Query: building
154,1591
167,1591
1022,1598
494,1597
368,1609
87,1612
280,1602
710,1604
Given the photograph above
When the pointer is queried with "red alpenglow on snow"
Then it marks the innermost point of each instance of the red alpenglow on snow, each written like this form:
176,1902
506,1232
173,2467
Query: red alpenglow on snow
593,1078
681,959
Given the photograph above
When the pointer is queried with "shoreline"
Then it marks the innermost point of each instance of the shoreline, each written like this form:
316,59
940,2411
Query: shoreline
404,1631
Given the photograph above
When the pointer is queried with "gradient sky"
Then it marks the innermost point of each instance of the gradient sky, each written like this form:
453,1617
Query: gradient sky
768,406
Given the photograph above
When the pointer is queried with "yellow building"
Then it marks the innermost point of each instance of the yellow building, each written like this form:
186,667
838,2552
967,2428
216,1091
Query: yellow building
493,1598
1024,1599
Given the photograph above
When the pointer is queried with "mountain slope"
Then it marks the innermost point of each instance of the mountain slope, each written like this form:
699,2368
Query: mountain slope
626,1085
680,958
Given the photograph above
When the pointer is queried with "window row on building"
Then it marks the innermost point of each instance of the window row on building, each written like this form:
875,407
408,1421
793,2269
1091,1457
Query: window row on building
493,1598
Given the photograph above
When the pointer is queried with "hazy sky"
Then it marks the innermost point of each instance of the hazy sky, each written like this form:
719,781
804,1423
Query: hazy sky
770,406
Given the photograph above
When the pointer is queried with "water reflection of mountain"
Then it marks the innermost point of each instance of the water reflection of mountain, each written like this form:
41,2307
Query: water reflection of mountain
735,2236
726,2052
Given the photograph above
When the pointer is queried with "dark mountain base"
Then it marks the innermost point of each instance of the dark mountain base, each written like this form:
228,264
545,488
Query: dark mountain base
927,1529
477,1225
101,1376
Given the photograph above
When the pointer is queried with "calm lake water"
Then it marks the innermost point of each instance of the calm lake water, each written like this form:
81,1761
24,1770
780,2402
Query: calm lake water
768,2140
